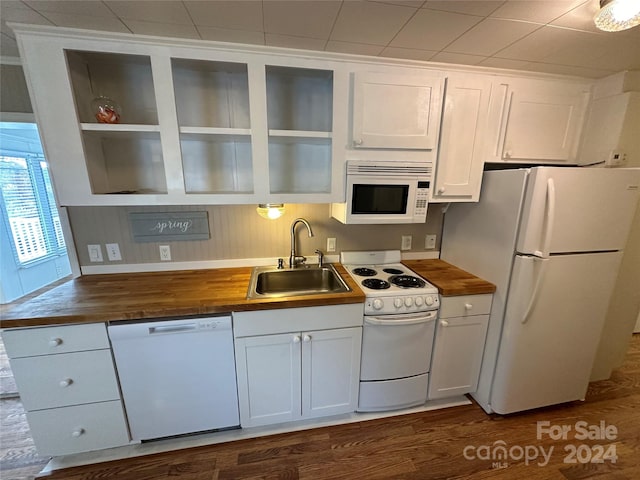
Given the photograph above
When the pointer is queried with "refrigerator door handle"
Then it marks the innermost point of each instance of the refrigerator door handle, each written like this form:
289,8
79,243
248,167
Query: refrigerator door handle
536,289
549,218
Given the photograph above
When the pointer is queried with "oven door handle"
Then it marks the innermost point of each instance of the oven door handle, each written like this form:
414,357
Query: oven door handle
411,319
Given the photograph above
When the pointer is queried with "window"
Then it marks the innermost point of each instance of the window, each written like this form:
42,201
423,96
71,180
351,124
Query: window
29,208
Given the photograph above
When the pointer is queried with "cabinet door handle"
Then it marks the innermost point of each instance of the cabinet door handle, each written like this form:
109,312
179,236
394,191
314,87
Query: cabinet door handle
441,190
54,342
468,306
296,339
444,323
358,141
306,338
66,382
77,432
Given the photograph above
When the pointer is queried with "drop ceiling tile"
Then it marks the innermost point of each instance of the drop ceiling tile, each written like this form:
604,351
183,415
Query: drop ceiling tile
20,14
541,11
151,11
503,63
369,22
567,70
617,53
71,7
162,29
580,18
87,21
353,48
491,35
303,19
479,8
229,35
535,46
289,41
408,53
405,3
8,46
433,30
458,58
245,15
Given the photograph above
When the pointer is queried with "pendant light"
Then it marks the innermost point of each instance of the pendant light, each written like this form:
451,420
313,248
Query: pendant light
270,211
617,15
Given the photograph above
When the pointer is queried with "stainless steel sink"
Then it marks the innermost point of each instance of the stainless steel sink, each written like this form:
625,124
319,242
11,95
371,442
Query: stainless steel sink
270,282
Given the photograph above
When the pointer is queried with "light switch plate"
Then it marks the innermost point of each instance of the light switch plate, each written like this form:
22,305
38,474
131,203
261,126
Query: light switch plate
331,244
406,242
95,253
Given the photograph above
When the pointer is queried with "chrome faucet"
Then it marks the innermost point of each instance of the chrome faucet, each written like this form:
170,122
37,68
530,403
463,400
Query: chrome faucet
294,259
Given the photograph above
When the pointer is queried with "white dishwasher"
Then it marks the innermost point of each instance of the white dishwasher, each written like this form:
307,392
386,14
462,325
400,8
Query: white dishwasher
177,376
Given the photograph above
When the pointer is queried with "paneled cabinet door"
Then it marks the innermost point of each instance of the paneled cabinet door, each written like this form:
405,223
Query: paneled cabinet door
330,371
464,127
457,355
269,369
396,110
536,121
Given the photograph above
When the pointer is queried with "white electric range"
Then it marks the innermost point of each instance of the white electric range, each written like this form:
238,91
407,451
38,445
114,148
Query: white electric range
398,330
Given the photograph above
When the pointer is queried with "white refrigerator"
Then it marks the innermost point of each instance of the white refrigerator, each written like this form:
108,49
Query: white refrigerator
551,240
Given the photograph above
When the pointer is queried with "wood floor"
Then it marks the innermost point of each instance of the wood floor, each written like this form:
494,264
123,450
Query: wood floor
429,445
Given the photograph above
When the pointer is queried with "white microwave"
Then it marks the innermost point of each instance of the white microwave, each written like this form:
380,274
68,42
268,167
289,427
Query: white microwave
384,192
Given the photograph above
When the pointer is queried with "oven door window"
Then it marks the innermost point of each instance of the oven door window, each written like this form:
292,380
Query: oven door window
376,199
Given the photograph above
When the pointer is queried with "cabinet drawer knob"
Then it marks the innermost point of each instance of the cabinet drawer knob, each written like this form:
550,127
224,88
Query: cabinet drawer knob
296,339
468,306
307,338
444,323
66,382
54,342
77,432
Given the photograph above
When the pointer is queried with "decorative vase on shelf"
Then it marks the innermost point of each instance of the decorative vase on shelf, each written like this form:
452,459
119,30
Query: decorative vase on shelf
106,110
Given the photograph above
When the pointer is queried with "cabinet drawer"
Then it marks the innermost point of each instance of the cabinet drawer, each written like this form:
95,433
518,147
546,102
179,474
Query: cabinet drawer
465,305
82,428
67,379
45,340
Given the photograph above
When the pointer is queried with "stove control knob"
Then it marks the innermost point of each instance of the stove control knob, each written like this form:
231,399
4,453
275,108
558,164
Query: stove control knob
397,302
419,301
378,304
408,301
428,300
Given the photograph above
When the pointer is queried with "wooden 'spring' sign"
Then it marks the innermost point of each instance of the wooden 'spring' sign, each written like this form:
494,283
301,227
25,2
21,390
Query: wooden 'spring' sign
169,226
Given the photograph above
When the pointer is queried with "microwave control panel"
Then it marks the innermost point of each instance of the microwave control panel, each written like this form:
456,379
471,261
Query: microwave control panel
422,200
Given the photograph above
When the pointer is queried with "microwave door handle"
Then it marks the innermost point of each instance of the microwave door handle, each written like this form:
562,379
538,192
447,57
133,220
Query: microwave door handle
399,320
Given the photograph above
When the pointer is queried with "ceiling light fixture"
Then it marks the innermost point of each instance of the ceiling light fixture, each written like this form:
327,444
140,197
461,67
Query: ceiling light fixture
270,211
617,15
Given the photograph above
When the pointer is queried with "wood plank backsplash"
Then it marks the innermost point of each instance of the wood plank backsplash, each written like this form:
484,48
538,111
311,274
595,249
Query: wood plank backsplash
238,232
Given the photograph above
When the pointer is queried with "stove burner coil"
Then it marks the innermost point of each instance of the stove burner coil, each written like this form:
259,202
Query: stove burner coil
376,284
407,281
364,272
393,271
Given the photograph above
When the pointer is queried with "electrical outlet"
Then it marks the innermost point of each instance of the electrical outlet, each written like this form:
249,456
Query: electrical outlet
95,253
615,158
113,252
331,244
165,253
430,242
406,242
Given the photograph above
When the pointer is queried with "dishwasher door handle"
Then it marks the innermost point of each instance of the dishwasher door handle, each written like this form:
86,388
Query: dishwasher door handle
189,327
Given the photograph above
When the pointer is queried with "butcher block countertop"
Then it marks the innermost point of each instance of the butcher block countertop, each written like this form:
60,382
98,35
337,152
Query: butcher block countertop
130,296
450,280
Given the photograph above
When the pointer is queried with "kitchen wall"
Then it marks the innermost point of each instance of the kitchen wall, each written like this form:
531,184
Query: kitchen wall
238,232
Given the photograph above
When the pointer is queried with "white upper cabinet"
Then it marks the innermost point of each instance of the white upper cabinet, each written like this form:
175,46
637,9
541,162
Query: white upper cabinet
536,121
396,109
462,139
194,123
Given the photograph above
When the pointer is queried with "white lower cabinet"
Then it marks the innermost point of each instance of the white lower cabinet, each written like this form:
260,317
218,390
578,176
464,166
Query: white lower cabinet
302,374
459,345
68,386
